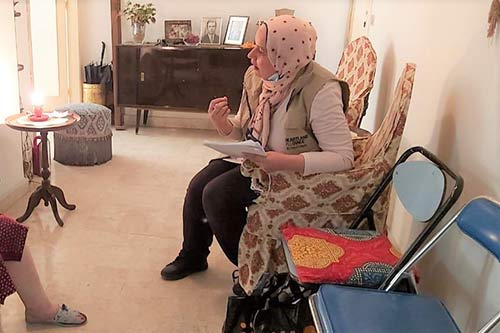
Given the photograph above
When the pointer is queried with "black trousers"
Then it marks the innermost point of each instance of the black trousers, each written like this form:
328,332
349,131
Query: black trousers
216,204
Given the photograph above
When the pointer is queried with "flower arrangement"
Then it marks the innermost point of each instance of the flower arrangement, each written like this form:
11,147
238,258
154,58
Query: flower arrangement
137,13
191,39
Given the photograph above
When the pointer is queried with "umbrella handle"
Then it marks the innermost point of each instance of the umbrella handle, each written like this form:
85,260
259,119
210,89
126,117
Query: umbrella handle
102,52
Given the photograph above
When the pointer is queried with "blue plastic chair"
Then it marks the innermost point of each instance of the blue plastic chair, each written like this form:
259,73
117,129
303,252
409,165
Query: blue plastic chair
346,309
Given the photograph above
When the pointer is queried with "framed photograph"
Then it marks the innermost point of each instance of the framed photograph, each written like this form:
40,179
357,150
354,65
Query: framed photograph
176,30
236,29
211,30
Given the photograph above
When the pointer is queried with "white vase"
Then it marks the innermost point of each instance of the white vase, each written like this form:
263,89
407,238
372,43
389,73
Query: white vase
138,32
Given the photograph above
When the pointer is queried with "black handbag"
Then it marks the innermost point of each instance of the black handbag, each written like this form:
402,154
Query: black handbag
239,314
280,305
286,310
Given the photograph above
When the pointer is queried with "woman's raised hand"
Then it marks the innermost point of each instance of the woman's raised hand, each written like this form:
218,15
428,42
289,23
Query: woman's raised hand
218,110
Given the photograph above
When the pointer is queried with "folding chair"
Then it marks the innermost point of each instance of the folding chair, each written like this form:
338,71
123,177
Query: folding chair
338,309
365,258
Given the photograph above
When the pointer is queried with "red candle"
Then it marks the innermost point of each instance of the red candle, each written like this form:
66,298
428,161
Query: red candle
38,110
37,102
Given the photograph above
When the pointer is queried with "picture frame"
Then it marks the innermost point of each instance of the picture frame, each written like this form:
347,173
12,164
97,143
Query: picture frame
211,30
236,30
176,30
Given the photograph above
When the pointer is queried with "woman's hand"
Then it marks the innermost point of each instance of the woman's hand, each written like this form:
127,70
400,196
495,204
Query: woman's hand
218,110
274,161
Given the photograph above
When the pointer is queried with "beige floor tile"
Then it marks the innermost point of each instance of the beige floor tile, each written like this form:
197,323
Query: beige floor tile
107,258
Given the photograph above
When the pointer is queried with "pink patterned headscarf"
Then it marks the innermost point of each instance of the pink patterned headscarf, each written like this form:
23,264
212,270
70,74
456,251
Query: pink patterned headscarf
290,45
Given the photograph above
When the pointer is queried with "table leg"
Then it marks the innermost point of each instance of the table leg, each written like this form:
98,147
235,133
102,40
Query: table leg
53,205
46,192
59,195
32,203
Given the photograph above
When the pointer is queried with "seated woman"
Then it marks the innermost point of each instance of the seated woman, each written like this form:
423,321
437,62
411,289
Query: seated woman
18,273
294,108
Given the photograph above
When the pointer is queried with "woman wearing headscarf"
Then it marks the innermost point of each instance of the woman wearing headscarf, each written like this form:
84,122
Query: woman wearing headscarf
295,109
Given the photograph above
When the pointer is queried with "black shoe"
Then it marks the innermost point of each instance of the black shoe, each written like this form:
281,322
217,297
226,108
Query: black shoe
183,266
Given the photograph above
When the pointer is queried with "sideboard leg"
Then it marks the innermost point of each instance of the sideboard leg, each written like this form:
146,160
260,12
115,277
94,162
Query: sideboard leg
138,120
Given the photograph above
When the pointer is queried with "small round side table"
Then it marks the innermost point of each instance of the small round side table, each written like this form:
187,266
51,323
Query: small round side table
46,191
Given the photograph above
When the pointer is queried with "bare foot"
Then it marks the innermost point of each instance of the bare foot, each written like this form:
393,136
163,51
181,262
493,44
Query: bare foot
41,316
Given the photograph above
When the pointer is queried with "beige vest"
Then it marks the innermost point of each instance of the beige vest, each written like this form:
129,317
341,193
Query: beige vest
298,131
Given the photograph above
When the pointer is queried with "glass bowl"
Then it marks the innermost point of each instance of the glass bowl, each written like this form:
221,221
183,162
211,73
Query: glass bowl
191,44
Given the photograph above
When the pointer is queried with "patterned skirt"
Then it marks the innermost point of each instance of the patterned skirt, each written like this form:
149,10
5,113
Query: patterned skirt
12,239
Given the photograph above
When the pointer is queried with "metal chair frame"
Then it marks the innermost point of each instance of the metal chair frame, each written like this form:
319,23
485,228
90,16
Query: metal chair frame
367,214
432,223
418,254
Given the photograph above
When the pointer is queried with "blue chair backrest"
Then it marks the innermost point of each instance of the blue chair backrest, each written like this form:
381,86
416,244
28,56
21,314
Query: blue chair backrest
420,187
480,220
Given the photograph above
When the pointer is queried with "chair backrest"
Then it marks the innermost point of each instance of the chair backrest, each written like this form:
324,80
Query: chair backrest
357,67
480,220
380,150
420,187
425,200
384,143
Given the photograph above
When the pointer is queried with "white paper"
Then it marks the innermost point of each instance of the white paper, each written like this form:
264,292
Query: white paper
236,160
237,149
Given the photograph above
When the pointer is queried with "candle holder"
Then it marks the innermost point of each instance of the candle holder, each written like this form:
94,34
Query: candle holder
38,114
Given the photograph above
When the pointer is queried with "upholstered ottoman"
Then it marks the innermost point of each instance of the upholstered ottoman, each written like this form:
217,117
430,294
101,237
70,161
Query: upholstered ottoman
88,142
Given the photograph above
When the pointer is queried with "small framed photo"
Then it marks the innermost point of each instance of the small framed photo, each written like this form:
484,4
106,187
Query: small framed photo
236,29
211,30
176,30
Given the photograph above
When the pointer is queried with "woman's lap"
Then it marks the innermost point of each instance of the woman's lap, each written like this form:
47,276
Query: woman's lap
12,240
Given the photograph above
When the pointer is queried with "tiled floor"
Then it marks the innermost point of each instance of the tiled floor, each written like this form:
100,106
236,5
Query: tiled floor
106,259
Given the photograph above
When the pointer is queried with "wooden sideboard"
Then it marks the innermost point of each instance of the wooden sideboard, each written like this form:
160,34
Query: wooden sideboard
155,77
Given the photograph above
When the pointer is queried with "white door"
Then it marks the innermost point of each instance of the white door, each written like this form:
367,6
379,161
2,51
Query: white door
360,18
49,51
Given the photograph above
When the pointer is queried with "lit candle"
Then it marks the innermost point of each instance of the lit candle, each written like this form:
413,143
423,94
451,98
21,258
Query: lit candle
37,101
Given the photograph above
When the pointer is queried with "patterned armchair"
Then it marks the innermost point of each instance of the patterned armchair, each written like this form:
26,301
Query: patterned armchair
357,68
320,200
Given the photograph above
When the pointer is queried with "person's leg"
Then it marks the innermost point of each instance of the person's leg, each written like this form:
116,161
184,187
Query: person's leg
196,232
38,306
25,277
225,202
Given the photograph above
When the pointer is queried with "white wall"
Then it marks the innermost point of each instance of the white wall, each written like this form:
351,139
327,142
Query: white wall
11,173
95,23
44,46
24,55
455,112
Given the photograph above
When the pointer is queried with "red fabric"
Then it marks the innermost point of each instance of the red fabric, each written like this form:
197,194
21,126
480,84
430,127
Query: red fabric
12,239
356,254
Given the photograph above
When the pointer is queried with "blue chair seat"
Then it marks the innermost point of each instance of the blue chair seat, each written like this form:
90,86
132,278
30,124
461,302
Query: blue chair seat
353,310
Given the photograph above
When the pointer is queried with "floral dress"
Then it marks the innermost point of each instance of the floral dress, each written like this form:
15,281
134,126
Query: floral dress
12,239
